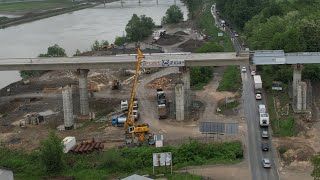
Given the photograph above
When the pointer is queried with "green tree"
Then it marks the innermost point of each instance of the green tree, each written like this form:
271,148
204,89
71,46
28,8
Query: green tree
119,41
51,154
104,43
139,28
173,15
95,46
78,52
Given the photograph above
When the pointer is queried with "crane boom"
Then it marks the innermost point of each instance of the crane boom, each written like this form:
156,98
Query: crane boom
130,118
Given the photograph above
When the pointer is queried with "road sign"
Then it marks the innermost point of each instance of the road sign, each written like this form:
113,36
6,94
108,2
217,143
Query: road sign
163,63
162,159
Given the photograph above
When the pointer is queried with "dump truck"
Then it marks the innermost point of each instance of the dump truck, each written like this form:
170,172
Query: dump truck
161,97
163,111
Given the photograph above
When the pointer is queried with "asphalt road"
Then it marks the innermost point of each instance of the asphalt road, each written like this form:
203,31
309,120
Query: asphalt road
255,153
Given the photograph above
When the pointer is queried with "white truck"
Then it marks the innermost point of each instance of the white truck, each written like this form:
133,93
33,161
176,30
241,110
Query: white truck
257,85
264,119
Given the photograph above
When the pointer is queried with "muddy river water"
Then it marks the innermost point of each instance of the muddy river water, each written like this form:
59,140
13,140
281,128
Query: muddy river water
76,30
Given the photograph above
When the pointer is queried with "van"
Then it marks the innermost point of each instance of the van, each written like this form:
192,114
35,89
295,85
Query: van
262,108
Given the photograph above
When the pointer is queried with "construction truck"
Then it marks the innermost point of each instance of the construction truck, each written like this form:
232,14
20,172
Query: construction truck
162,104
136,133
116,84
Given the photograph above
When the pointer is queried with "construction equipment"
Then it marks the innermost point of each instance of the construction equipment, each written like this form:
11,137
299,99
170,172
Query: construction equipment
116,84
136,133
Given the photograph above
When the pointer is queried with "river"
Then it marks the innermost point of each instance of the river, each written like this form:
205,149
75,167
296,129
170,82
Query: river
76,30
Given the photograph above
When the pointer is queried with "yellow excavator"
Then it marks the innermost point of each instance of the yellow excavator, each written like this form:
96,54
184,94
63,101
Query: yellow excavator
136,133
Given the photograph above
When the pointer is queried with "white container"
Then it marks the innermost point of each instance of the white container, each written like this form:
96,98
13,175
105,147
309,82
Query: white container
68,143
262,108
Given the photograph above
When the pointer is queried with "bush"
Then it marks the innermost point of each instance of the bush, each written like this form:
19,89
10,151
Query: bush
51,154
173,15
210,47
120,41
200,76
231,80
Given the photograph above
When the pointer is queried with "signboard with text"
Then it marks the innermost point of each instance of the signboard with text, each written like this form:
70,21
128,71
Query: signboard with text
163,63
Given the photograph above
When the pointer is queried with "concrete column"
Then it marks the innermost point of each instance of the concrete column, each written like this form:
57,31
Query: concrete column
83,91
302,96
297,69
179,96
68,107
186,81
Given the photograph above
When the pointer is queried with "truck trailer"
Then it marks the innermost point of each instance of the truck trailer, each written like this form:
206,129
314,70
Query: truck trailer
163,111
264,119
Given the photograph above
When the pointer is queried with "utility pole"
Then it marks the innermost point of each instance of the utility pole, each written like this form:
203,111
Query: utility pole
139,2
104,3
175,2
122,2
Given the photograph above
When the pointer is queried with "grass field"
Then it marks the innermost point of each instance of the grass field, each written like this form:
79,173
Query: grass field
35,6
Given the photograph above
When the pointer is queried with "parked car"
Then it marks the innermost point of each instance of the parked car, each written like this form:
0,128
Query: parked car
265,147
243,69
253,73
266,163
265,134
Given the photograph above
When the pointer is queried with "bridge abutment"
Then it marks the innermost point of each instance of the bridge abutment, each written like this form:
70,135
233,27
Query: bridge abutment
83,91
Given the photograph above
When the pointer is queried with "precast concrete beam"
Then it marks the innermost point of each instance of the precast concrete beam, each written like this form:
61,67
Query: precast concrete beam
83,91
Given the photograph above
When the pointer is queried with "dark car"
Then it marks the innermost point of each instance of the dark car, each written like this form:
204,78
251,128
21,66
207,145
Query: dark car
265,146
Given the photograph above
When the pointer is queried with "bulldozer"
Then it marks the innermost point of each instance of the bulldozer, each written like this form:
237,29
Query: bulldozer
116,84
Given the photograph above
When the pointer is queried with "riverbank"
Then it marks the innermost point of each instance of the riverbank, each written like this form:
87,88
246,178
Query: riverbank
31,16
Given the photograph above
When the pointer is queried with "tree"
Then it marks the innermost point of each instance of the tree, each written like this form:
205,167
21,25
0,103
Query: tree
78,52
51,154
96,46
54,51
173,15
139,28
119,41
316,167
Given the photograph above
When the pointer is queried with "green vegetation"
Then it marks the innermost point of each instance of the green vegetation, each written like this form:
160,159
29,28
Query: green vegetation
173,15
200,76
184,176
139,28
231,80
122,162
227,106
51,154
34,6
210,46
53,51
282,125
120,41
96,46
316,167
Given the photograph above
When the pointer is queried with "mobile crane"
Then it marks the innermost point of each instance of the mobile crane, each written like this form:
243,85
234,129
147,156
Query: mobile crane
135,133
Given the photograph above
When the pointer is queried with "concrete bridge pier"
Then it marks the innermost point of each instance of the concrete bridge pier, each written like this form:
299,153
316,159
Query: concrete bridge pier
186,82
302,96
297,70
68,107
83,91
179,97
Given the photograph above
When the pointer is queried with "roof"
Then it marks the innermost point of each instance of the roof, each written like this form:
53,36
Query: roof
136,177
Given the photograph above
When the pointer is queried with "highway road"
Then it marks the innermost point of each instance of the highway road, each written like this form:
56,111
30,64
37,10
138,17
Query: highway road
254,139
255,153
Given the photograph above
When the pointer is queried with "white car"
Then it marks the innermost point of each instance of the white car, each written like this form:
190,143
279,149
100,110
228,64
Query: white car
243,69
258,96
236,35
264,134
266,163
253,73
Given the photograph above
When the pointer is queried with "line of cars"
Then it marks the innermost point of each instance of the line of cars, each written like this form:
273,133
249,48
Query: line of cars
263,116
